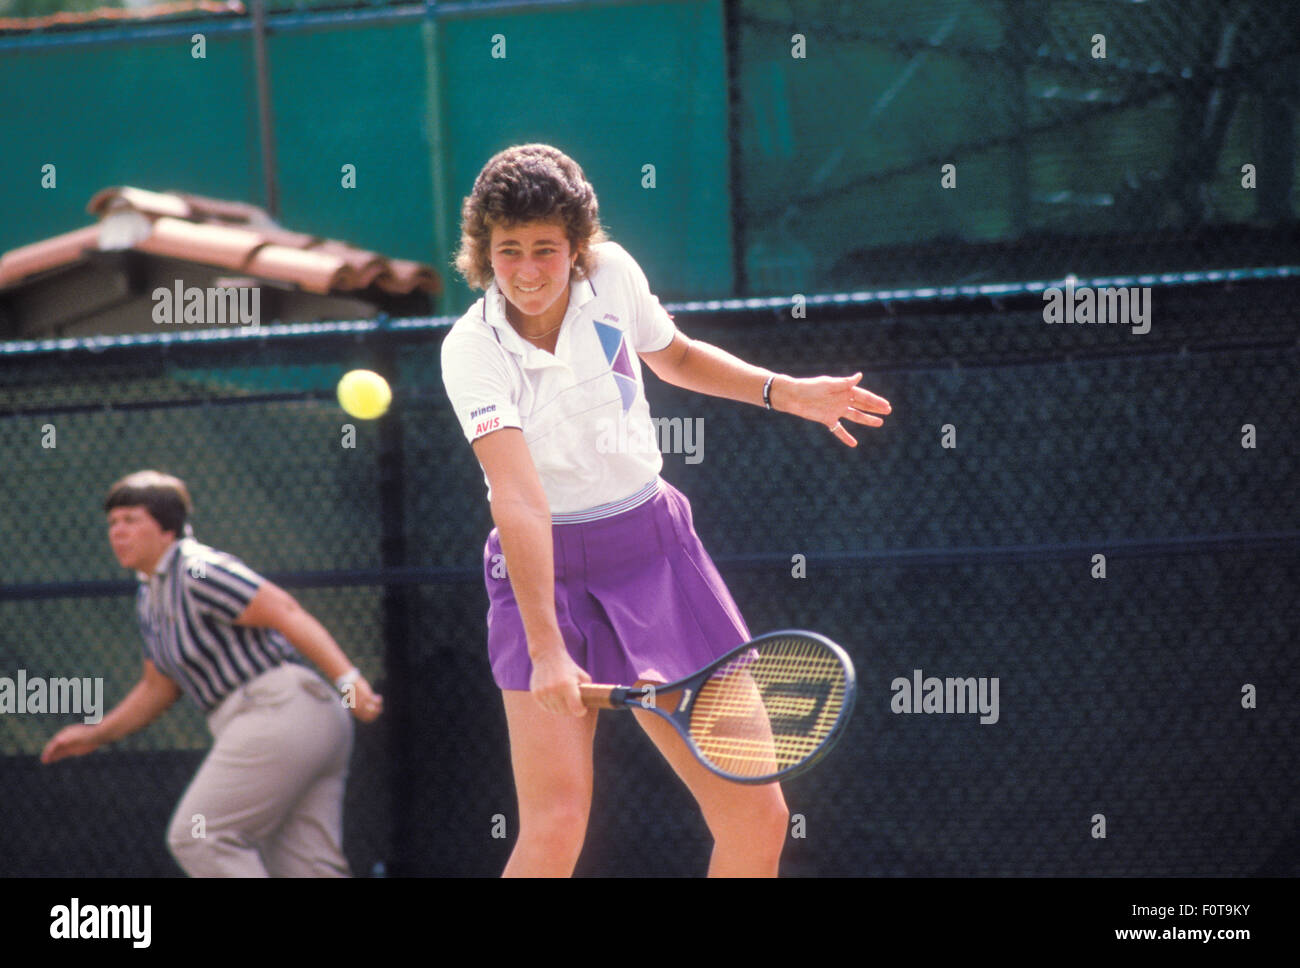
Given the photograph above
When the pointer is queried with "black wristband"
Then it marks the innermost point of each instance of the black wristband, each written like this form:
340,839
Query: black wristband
767,392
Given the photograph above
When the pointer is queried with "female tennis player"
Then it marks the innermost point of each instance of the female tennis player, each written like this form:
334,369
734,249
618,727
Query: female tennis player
604,576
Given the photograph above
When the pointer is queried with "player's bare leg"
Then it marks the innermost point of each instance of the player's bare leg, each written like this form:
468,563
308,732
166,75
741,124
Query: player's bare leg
748,823
551,756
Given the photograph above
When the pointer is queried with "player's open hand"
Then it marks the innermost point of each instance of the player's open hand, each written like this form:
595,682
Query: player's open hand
75,740
366,704
829,399
554,683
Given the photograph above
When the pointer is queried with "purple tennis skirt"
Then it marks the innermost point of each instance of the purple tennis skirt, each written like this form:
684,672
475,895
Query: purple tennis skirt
636,594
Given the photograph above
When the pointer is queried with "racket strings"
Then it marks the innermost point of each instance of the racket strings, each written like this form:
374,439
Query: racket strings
769,709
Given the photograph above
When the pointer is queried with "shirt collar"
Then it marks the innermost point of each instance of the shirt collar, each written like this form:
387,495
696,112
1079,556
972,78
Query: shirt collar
581,292
165,563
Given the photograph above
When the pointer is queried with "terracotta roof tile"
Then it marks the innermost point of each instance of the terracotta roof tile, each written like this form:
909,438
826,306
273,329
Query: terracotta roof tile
216,232
17,264
297,240
365,266
224,210
150,203
313,271
403,276
217,245
153,11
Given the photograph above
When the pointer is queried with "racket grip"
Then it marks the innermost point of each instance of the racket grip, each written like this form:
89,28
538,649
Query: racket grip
602,697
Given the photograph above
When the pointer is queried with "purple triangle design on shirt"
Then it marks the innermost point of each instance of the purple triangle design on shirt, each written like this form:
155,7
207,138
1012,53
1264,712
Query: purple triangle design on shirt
622,364
627,390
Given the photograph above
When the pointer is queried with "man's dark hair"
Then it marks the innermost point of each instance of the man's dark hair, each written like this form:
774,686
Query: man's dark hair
165,498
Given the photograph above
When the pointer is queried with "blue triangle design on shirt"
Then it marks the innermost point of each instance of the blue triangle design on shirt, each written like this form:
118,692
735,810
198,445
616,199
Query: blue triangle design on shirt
627,390
610,339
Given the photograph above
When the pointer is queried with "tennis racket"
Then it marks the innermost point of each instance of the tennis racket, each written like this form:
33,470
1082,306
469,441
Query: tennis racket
766,710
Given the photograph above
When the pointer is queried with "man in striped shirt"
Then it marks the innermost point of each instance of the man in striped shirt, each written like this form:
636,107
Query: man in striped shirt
268,799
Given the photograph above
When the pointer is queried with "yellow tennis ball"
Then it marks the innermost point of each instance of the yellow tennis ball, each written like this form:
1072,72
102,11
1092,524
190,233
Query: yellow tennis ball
364,394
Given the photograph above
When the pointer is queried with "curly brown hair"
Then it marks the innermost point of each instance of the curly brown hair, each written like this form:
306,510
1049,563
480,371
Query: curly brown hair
527,183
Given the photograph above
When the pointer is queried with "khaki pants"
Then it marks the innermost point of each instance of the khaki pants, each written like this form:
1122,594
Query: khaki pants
268,799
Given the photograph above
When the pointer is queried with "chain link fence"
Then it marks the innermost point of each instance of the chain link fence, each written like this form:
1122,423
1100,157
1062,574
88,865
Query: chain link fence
963,141
958,541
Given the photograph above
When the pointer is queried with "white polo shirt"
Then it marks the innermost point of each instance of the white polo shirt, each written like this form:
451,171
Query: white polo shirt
582,410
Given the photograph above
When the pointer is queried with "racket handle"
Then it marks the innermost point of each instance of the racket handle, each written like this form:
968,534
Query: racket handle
602,697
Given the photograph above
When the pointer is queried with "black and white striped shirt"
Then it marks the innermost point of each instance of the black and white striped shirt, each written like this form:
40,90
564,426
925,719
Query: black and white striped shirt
187,610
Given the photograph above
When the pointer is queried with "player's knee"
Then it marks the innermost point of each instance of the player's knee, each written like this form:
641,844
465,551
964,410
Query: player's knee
761,823
557,827
771,821
779,815
198,849
185,844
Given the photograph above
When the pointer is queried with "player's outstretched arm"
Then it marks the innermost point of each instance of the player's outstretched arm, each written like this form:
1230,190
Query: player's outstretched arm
523,519
148,699
273,607
702,367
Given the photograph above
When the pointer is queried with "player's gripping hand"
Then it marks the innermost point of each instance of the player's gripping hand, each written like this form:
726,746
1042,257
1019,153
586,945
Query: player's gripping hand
367,704
75,740
830,399
554,683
